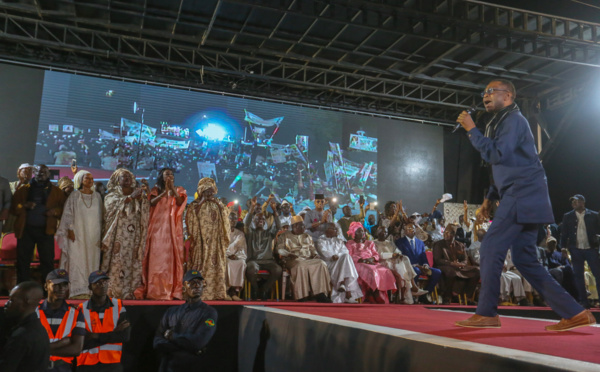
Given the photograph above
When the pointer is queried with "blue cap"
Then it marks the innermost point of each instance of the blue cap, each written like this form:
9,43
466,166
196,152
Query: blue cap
192,274
58,276
97,275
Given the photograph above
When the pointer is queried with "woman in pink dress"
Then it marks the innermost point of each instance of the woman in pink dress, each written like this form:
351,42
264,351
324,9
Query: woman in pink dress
164,255
374,279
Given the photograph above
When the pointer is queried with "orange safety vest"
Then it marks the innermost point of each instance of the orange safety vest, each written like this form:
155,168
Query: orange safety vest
107,353
68,322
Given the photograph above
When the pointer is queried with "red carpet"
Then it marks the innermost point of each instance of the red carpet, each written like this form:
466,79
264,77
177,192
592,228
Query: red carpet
522,334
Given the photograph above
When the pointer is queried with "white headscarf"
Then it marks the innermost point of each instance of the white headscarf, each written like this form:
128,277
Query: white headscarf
78,179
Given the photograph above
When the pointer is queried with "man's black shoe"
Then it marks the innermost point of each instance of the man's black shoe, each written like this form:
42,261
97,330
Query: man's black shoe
321,297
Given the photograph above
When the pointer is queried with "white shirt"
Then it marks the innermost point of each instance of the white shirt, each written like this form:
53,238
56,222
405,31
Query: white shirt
582,238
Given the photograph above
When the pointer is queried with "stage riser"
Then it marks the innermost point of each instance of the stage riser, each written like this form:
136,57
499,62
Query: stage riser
298,344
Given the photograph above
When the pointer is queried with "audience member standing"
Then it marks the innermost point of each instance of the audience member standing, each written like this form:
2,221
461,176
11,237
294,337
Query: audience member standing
80,232
38,207
164,254
207,221
185,330
63,322
125,228
580,229
27,348
107,328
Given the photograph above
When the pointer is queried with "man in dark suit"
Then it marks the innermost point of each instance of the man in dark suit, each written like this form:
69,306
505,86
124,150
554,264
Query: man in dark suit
519,183
414,249
579,234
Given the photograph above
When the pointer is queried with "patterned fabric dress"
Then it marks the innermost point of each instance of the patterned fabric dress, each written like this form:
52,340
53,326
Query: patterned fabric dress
208,228
125,229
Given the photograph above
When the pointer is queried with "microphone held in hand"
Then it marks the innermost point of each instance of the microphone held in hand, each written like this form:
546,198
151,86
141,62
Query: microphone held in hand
470,111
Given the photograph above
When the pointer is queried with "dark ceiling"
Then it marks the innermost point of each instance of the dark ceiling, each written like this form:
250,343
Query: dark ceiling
427,59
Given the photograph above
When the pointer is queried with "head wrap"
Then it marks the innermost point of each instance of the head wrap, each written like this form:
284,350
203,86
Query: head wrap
353,227
64,182
113,183
78,179
206,183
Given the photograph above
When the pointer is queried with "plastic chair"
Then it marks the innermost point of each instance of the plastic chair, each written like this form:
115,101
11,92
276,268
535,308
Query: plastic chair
8,250
248,286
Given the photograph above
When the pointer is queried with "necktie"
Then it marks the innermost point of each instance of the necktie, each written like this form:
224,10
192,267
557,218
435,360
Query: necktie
412,244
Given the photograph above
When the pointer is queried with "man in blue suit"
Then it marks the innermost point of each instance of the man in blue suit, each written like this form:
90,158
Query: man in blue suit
519,183
414,249
579,229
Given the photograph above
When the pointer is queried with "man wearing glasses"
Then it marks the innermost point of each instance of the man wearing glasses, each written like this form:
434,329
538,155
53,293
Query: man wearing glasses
519,183
185,330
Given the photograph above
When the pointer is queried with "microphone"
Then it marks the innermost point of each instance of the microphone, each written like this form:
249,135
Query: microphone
470,111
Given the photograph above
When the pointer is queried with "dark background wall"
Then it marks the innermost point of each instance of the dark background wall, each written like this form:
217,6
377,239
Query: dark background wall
20,101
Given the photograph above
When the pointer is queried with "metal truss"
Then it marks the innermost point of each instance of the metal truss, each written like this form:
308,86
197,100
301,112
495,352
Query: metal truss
338,72
60,38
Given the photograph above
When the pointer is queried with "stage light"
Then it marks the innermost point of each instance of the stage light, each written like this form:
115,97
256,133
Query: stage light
375,203
335,200
235,201
212,132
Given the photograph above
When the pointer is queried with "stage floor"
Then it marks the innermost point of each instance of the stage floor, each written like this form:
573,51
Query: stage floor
518,333
521,338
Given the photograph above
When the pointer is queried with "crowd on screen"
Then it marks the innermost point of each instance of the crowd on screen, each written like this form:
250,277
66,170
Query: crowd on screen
129,240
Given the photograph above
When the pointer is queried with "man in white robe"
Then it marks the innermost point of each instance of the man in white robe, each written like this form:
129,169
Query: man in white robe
344,277
236,259
391,257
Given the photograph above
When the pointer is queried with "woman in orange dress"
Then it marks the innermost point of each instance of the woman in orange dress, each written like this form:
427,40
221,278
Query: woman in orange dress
164,254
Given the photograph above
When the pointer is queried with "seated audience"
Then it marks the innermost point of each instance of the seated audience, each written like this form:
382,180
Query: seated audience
374,278
450,257
308,273
392,258
414,249
236,259
344,277
259,242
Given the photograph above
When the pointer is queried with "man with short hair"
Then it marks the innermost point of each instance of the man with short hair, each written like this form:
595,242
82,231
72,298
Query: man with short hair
344,277
314,220
414,249
37,207
107,328
260,250
450,257
236,259
308,273
63,322
185,330
27,348
579,234
520,186
348,218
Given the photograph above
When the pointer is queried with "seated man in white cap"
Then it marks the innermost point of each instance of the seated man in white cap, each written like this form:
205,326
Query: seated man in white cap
308,273
344,277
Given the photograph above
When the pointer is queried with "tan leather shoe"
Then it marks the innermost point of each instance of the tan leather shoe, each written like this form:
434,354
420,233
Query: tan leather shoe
479,321
583,319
